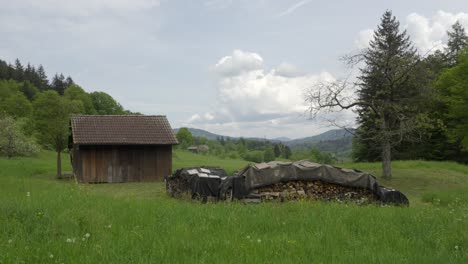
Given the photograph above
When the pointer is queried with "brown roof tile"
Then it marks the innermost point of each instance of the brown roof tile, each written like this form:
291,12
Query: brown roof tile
122,130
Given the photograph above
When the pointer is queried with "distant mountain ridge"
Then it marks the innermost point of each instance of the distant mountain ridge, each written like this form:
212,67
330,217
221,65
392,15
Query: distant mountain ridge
333,141
330,135
212,136
201,133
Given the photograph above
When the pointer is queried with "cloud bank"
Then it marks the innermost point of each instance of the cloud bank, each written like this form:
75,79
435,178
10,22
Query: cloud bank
427,34
251,96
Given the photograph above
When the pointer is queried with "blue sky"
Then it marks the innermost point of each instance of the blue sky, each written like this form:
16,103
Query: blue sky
238,68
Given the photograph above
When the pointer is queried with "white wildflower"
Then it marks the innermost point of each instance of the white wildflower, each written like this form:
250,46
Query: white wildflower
28,194
69,240
248,237
109,226
457,247
10,241
87,235
259,240
51,256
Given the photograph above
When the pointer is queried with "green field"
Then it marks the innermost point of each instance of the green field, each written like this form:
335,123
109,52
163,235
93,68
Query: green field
44,220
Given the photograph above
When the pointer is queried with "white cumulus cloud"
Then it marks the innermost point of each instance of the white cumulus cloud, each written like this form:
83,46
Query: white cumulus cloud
250,94
238,62
363,38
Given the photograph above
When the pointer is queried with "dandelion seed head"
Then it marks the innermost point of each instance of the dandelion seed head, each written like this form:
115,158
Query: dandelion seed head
51,256
10,241
248,237
87,235
259,240
28,194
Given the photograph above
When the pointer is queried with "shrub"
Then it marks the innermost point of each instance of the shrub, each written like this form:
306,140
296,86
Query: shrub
13,142
254,156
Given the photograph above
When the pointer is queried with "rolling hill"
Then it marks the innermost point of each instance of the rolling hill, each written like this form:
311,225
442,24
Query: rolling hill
337,141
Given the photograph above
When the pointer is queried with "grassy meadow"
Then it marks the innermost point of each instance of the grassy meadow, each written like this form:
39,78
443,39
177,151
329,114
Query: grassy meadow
45,220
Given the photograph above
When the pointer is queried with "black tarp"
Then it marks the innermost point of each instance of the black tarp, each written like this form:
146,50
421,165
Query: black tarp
265,174
199,182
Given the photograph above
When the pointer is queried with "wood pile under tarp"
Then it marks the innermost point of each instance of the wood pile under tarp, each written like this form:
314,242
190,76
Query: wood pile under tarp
314,190
198,182
305,179
282,181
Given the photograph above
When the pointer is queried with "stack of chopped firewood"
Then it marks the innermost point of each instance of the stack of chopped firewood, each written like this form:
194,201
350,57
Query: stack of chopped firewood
177,186
314,190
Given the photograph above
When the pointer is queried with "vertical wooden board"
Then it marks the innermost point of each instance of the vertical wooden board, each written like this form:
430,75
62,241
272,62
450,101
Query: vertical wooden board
85,165
102,164
135,164
115,165
92,164
128,164
108,164
132,176
98,159
125,164
156,166
149,164
145,157
140,161
162,162
157,163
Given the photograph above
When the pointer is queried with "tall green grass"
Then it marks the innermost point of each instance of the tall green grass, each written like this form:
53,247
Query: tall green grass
139,223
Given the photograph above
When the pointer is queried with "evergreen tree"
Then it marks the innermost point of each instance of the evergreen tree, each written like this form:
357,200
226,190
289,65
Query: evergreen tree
59,84
29,72
43,81
457,41
277,150
287,152
69,81
18,71
29,90
4,70
391,94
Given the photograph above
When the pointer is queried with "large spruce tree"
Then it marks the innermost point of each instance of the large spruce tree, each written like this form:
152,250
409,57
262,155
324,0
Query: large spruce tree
390,90
390,94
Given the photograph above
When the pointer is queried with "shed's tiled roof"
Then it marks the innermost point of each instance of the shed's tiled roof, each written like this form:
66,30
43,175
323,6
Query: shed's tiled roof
122,130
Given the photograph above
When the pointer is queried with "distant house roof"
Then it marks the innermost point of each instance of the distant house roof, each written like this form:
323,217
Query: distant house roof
122,130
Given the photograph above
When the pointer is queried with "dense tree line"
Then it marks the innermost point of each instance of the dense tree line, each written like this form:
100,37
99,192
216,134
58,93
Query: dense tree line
248,149
439,82
409,106
35,111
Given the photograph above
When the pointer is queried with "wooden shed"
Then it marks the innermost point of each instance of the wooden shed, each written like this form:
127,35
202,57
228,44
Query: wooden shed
121,148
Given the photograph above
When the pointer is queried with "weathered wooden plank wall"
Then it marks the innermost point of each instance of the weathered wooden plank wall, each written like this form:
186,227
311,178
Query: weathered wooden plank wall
122,163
